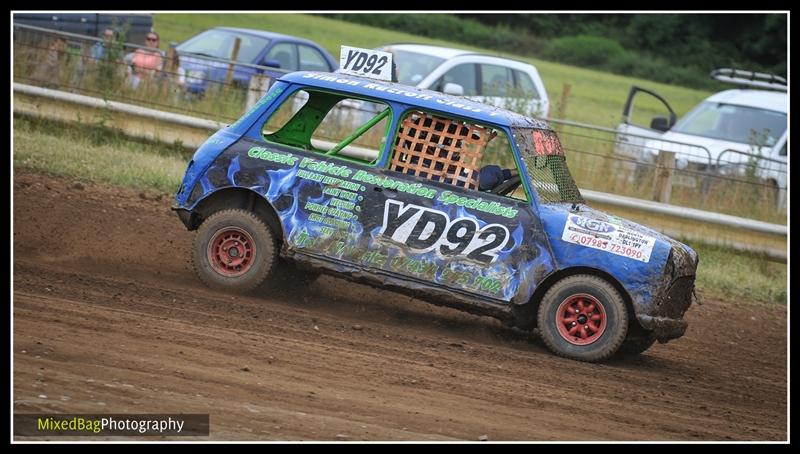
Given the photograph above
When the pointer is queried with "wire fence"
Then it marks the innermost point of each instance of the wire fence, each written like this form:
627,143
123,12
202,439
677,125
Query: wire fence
742,183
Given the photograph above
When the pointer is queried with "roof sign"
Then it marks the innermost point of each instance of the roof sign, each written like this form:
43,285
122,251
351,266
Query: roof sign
370,63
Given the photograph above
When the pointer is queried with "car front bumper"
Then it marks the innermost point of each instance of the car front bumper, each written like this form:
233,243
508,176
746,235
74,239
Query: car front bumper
666,321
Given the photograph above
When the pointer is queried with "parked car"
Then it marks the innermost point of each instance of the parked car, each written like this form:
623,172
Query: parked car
727,133
501,82
137,26
205,57
443,198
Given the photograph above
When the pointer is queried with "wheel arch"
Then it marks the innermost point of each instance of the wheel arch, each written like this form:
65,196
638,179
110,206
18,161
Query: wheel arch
526,313
241,198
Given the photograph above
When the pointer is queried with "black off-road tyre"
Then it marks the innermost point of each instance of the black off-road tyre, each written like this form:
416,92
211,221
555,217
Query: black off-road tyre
254,259
600,323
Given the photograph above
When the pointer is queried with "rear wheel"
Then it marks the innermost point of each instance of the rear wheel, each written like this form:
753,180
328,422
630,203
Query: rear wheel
234,250
583,317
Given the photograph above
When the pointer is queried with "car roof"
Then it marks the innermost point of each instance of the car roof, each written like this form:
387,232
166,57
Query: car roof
762,99
413,96
445,52
268,35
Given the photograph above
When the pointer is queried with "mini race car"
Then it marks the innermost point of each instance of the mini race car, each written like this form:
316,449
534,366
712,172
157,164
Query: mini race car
455,202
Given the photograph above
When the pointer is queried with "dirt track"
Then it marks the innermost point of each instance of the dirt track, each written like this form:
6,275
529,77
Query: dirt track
109,318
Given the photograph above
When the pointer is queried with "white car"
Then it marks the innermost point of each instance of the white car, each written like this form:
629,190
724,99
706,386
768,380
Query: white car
502,82
724,134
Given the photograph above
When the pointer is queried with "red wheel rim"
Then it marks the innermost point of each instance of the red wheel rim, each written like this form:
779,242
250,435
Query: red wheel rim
231,251
581,319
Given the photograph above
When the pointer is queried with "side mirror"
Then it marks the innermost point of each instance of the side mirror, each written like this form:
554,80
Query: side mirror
453,89
272,63
660,124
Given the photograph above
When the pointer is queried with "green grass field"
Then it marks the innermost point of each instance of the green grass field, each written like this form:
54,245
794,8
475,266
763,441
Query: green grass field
596,97
94,154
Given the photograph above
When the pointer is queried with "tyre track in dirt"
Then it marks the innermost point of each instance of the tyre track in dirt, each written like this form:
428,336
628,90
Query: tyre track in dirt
103,291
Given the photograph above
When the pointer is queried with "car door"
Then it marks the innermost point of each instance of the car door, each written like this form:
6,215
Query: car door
497,87
283,55
436,228
465,75
281,58
638,126
312,59
537,103
354,206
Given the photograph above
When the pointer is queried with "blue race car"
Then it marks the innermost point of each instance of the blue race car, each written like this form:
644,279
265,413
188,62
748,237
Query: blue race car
202,56
435,196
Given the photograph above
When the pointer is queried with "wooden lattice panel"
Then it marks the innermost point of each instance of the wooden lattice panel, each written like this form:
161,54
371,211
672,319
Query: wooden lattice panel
440,149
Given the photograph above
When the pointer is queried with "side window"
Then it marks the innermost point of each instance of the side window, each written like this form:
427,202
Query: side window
456,152
249,48
330,124
311,59
285,54
463,75
525,85
496,81
783,150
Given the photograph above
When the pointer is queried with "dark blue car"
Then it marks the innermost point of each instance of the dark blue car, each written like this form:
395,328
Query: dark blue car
459,203
204,56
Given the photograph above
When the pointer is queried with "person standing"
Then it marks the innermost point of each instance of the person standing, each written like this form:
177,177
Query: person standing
100,50
48,71
146,62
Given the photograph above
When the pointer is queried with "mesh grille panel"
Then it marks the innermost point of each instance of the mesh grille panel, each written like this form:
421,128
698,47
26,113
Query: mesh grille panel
440,149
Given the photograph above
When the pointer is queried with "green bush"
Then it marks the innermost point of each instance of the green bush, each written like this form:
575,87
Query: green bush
583,50
639,45
451,27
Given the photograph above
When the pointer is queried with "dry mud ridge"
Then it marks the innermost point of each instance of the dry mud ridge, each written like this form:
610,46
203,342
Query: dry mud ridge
109,318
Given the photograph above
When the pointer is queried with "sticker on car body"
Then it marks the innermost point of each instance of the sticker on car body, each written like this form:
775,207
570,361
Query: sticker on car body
424,229
608,237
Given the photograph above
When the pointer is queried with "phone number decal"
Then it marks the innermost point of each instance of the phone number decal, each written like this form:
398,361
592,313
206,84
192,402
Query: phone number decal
608,237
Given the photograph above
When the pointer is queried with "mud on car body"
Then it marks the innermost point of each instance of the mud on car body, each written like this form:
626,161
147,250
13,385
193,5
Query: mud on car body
399,203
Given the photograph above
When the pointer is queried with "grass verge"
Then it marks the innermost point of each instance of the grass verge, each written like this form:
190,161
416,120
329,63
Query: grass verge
94,154
90,154
727,274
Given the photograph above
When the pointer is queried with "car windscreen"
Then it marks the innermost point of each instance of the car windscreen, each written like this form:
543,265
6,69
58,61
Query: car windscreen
412,67
734,123
219,44
547,165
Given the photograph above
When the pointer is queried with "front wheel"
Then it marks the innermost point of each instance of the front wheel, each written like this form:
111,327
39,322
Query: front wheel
234,250
583,317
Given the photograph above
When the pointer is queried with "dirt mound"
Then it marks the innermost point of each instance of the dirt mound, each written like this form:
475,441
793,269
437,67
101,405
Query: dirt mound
108,317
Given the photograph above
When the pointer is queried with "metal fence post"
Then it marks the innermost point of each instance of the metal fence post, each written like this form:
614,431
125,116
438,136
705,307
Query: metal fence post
258,86
662,183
